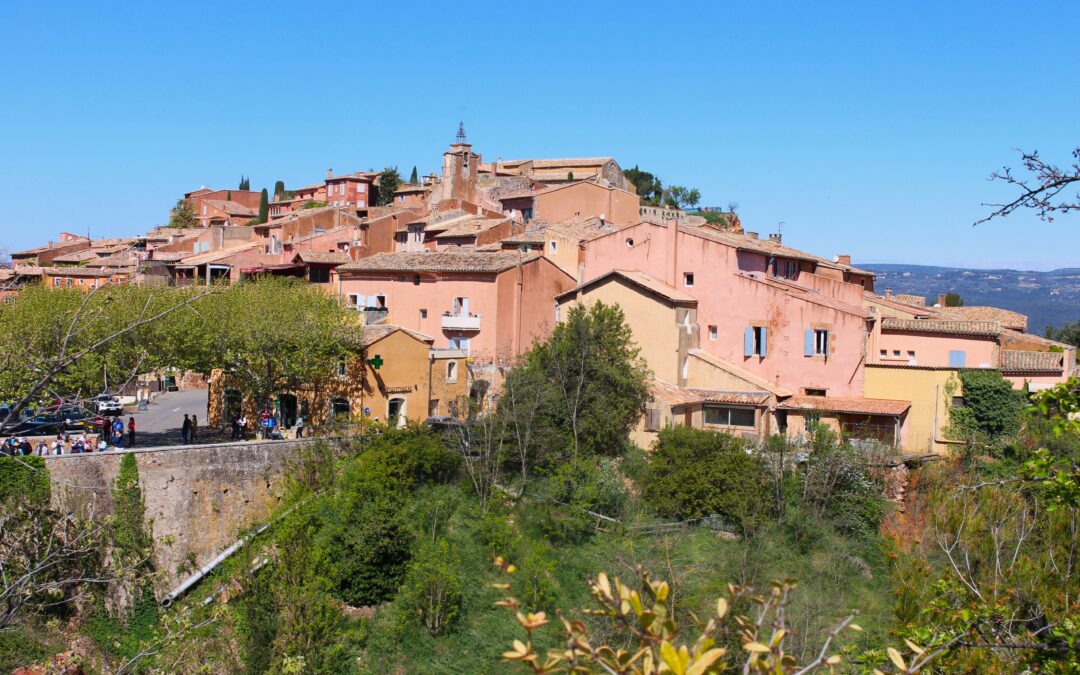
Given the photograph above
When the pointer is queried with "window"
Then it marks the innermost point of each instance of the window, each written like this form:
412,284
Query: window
958,401
354,301
712,333
553,246
730,417
361,188
815,392
817,342
688,279
339,410
69,281
810,421
652,419
957,359
558,312
755,341
911,358
57,281
319,275
423,314
451,372
884,354
896,353
788,269
360,204
341,368
459,343
416,280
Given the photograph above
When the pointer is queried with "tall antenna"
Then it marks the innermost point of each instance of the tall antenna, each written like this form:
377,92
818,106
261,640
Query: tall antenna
461,125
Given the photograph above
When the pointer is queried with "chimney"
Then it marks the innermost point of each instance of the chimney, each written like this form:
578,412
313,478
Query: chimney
888,293
329,173
752,235
775,237
844,259
941,300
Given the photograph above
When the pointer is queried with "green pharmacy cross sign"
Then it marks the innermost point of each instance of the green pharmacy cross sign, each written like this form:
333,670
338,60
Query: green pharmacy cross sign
376,362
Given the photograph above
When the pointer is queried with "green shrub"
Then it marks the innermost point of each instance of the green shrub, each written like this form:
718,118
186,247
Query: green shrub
992,408
395,464
533,580
498,534
432,592
697,473
24,478
366,549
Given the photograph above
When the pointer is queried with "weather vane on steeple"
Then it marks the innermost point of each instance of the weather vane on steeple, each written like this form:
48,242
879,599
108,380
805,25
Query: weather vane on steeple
461,126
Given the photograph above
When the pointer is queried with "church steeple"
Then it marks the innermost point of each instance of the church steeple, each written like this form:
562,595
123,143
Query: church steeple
461,132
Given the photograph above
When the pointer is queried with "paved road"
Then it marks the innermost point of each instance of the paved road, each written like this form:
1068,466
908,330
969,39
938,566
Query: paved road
160,423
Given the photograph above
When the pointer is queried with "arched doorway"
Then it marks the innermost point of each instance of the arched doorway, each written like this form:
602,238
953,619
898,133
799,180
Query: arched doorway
340,410
231,404
395,412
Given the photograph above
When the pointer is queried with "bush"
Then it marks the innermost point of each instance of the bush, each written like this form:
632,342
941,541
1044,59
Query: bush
432,592
992,408
837,485
366,549
532,582
24,478
697,473
395,464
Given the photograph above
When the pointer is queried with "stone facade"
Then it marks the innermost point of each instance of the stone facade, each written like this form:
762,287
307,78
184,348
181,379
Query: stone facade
198,498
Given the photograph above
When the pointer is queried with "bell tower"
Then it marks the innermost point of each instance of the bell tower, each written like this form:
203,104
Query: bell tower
460,168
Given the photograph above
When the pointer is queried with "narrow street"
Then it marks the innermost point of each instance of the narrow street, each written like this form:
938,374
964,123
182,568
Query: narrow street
160,423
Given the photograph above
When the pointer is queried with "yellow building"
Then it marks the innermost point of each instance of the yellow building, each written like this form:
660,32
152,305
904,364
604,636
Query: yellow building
399,377
931,391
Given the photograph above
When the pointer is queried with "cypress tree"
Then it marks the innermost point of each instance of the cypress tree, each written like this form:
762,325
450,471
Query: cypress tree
279,189
228,196
264,207
412,177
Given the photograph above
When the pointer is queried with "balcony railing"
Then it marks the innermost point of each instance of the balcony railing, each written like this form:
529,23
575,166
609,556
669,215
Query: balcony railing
460,321
374,315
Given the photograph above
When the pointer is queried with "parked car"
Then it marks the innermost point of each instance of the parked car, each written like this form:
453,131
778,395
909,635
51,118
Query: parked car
107,404
65,418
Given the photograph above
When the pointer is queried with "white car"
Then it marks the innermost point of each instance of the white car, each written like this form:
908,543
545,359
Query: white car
107,405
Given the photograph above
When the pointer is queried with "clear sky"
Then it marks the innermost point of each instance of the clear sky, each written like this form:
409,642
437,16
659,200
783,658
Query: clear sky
868,129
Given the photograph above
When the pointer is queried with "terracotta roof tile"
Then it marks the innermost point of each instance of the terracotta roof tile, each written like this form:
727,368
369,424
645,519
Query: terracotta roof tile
439,262
763,246
323,257
1024,361
906,299
942,326
857,406
1007,318
232,208
372,334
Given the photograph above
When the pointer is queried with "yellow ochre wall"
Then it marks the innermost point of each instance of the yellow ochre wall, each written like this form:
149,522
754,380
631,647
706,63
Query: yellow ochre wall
930,392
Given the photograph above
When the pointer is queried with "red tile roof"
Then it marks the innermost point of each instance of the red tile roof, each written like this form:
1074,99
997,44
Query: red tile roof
857,406
1007,318
494,262
1032,362
942,326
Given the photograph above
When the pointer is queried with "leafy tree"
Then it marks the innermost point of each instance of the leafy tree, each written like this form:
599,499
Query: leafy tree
182,215
648,186
433,590
389,181
953,299
696,473
279,189
413,177
264,207
268,335
590,382
680,197
1069,333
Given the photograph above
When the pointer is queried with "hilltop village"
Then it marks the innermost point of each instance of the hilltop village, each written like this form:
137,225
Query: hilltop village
456,275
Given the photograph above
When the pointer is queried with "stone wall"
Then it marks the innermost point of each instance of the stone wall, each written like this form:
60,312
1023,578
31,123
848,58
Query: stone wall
199,498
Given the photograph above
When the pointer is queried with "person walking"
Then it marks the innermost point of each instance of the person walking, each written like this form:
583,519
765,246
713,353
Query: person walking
131,432
234,421
300,426
185,429
194,427
242,426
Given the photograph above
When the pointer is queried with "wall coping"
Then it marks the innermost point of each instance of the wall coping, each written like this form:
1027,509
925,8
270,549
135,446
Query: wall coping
190,446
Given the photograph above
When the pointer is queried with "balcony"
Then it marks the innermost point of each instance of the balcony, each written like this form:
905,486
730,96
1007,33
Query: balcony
375,315
460,322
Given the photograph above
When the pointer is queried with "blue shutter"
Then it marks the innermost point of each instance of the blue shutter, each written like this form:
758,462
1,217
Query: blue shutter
748,342
828,342
808,344
957,359
764,340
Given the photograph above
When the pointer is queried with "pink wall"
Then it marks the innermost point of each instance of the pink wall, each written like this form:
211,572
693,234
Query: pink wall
933,350
732,302
495,298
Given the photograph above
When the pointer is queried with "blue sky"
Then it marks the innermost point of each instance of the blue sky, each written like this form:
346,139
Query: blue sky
868,129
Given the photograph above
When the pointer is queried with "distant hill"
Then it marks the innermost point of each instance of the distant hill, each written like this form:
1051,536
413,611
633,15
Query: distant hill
1048,298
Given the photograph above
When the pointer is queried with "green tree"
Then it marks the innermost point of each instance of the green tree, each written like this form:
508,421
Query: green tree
593,383
953,299
269,335
648,186
695,473
279,189
991,410
680,197
264,207
1069,333
413,178
245,183
389,181
228,196
182,215
569,175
